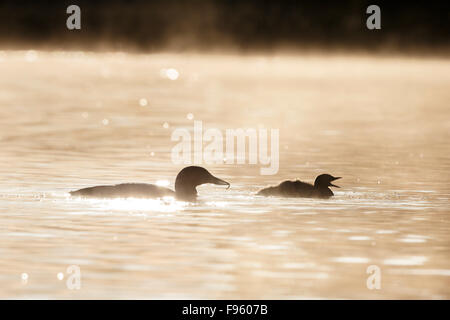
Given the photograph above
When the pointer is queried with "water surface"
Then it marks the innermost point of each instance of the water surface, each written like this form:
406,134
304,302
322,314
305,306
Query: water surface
74,119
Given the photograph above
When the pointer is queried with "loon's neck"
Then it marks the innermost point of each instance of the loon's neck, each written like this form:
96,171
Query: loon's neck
186,193
324,191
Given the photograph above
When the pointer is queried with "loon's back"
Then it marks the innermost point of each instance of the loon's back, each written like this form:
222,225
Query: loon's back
296,188
288,188
125,190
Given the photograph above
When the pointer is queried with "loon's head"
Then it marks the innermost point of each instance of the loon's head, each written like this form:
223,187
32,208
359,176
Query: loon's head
324,181
191,177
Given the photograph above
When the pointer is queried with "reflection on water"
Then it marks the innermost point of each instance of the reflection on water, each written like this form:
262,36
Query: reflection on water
70,120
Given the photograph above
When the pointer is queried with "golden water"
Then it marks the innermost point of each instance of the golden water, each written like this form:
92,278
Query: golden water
70,120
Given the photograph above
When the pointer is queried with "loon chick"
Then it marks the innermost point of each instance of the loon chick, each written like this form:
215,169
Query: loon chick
185,187
301,189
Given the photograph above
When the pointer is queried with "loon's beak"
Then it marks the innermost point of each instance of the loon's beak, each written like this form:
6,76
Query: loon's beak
333,185
219,181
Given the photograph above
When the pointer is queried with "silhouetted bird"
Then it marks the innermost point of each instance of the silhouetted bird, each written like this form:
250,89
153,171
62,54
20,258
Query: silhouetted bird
185,187
301,189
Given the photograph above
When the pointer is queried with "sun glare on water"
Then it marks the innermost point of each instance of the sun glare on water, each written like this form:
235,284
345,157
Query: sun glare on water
166,204
162,183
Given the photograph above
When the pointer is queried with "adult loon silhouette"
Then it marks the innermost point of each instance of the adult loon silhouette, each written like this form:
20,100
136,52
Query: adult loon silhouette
302,189
185,187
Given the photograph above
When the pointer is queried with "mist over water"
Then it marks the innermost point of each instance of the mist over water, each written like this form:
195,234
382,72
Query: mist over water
244,25
76,119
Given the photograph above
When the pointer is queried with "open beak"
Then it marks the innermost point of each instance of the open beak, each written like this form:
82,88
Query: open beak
219,181
333,185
